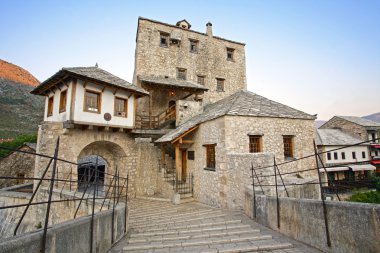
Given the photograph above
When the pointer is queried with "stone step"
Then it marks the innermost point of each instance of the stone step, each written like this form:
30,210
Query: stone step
195,235
172,216
191,231
217,243
168,224
190,227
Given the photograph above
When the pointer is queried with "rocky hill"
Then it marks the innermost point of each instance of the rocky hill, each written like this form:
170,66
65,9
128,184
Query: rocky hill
373,117
20,111
17,74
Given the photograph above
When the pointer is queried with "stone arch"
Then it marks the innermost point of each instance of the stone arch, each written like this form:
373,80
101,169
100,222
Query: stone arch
112,153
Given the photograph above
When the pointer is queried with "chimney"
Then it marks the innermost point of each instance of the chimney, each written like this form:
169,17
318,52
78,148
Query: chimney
209,29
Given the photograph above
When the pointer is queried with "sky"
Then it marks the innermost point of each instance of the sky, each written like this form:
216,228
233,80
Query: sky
321,57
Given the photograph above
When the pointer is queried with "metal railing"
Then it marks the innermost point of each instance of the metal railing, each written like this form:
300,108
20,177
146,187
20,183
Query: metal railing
328,186
56,181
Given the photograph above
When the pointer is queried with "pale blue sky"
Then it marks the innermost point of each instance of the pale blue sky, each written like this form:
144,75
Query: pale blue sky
317,56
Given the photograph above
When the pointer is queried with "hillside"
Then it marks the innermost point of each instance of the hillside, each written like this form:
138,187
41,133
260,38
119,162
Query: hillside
17,74
373,117
20,111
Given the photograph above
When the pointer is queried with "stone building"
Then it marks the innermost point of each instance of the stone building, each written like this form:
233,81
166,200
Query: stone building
19,165
174,63
185,125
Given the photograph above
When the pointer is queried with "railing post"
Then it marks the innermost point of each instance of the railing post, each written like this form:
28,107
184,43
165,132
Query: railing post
323,199
113,209
279,173
93,206
277,199
253,193
126,207
32,198
50,197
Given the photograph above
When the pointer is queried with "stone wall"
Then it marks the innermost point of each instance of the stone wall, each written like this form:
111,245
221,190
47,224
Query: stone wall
186,110
116,148
15,165
72,236
354,227
346,126
210,60
225,186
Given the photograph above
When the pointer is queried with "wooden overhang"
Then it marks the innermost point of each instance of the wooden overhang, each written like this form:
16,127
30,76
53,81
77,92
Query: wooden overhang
172,84
64,74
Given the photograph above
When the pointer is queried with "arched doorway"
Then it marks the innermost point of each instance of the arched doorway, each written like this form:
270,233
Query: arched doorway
111,158
91,174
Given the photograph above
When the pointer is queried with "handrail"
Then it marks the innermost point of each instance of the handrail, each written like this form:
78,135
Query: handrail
153,122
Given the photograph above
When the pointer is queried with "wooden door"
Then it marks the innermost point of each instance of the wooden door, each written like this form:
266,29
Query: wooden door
184,164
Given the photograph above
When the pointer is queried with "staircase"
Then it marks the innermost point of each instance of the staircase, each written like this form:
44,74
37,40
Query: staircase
156,226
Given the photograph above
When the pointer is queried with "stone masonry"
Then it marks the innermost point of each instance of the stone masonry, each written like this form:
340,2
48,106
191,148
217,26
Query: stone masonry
210,59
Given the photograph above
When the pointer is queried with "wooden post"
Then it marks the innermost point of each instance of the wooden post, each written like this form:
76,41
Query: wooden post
176,160
163,155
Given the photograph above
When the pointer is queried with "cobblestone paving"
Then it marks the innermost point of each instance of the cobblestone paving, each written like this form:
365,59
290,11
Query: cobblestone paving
157,226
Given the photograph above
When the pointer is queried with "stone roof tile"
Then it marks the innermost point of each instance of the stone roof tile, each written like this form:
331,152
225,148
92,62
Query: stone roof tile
335,137
241,103
360,121
171,82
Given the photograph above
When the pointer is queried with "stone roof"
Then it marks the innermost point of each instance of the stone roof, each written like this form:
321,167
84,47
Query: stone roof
360,121
92,74
241,103
335,137
172,82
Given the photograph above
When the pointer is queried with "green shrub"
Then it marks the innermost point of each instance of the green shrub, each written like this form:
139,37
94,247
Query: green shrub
366,197
16,143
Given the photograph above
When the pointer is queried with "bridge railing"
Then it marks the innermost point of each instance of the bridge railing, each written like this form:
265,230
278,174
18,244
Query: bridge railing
49,188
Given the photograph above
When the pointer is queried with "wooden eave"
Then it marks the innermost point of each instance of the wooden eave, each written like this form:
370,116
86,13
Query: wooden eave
179,138
173,87
62,75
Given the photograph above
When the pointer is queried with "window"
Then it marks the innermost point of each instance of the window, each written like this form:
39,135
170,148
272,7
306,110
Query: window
201,80
181,74
328,156
255,144
210,156
335,156
62,101
121,107
164,39
50,106
288,146
92,101
230,54
353,155
343,155
373,137
219,84
363,154
191,155
193,46
20,178
376,153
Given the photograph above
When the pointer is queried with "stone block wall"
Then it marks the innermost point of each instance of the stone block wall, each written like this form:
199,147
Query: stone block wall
210,60
17,164
346,126
186,110
353,227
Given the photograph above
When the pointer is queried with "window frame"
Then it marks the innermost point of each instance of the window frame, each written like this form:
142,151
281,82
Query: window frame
201,77
166,36
343,155
230,51
179,76
125,100
364,155
210,156
255,147
290,154
353,155
196,44
329,156
50,106
222,80
336,156
99,102
62,101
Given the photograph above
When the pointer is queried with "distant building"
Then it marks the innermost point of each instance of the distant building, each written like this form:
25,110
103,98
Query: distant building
343,164
363,129
18,165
